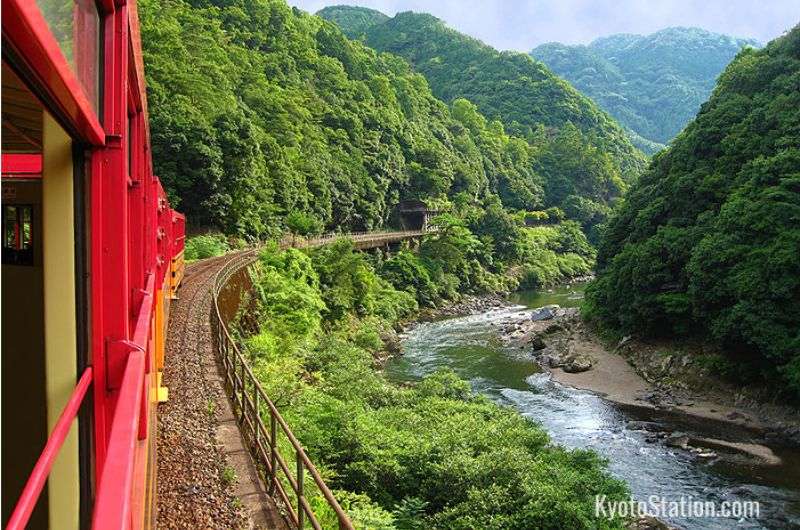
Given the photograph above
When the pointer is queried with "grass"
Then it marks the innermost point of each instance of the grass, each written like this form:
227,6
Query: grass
228,475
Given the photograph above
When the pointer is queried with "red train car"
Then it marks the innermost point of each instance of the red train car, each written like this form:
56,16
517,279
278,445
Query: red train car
92,255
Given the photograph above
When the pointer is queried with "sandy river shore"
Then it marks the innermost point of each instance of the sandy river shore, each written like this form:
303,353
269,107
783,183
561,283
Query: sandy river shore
650,377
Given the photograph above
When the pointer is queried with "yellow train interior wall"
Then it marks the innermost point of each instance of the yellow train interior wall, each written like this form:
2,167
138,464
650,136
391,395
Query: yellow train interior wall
24,409
60,333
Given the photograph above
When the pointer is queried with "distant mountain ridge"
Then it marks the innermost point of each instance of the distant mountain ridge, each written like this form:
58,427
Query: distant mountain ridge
652,84
523,93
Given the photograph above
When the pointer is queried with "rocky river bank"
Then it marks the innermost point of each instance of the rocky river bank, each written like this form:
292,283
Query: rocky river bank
661,377
660,439
631,373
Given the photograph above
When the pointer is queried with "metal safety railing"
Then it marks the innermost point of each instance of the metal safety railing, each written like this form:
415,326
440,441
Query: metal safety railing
113,507
38,477
251,407
355,237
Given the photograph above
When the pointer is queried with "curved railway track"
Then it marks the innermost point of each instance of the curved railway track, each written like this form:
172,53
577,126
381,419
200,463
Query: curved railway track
198,484
202,482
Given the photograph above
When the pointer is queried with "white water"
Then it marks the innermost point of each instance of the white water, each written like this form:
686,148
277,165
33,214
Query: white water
580,419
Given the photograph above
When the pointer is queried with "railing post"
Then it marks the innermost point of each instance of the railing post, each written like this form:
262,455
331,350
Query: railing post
256,419
273,446
227,354
300,479
234,385
223,350
224,359
244,394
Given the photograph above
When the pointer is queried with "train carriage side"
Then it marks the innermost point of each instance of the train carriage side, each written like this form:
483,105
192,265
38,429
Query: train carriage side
92,257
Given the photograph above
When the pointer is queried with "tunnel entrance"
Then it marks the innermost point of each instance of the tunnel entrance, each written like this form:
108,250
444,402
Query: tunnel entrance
415,215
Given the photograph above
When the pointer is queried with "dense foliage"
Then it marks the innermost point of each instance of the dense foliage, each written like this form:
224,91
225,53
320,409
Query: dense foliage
652,84
431,456
205,246
508,86
353,21
581,156
708,242
258,110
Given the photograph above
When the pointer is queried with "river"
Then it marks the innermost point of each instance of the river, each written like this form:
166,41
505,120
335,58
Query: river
580,419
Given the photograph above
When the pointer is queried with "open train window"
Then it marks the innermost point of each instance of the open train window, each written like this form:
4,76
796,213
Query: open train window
17,234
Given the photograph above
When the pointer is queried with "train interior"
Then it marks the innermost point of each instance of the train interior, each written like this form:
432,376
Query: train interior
43,321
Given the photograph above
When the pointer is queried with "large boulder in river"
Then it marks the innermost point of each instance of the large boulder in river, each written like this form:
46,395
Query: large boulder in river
577,363
678,439
537,343
551,360
391,342
649,426
547,312
554,328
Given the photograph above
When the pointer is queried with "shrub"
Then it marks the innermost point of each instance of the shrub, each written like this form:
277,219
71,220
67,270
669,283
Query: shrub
303,224
205,246
406,271
431,456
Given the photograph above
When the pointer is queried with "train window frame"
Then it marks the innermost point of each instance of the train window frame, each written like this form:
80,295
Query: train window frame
70,22
21,253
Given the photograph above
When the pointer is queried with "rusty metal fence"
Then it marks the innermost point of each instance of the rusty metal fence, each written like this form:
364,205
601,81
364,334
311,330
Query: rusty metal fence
374,238
262,426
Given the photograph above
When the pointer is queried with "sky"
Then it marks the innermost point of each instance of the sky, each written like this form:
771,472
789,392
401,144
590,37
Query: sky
523,24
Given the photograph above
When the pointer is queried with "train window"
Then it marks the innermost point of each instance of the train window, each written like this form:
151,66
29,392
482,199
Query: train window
76,26
17,234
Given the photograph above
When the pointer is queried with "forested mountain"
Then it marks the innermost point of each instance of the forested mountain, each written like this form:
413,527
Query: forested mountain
258,109
353,21
527,97
652,84
707,243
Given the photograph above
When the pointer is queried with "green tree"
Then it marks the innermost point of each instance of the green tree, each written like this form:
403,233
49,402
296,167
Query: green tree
303,224
706,243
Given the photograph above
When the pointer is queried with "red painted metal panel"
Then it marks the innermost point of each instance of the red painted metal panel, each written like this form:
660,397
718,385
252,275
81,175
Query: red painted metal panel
113,501
137,225
138,71
116,301
30,37
97,296
22,164
142,337
33,488
179,232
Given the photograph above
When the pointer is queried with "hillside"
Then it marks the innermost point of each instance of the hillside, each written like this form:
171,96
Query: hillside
258,110
353,21
508,86
707,243
652,84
